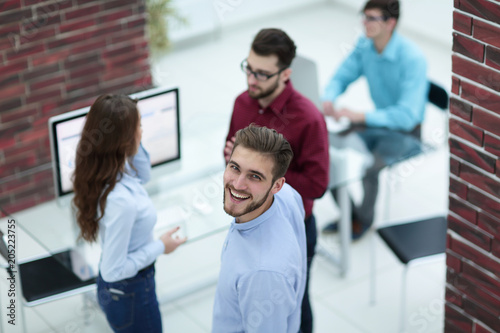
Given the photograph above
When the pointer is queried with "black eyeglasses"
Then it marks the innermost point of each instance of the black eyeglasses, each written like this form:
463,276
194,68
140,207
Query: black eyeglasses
369,18
258,76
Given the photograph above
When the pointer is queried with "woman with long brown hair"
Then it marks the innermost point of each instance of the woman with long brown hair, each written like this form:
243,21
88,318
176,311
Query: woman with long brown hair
110,203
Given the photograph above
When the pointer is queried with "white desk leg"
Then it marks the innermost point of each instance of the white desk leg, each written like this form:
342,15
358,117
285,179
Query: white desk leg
373,271
2,316
345,228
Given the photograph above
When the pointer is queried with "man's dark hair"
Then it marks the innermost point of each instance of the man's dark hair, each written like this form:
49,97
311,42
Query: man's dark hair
269,143
275,41
389,8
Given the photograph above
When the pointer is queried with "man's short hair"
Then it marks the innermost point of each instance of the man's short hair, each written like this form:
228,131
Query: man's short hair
389,8
267,142
275,41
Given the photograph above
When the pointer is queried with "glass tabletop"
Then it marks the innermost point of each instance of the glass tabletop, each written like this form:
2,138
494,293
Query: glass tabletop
356,153
195,203
189,196
359,149
49,230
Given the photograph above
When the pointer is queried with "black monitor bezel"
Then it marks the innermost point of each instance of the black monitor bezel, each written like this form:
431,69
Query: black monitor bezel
56,120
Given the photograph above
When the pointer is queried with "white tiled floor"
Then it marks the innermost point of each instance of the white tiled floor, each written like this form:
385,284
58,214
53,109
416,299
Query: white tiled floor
209,79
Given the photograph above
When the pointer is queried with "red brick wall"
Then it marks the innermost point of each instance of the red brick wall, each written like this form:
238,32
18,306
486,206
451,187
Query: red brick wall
58,56
473,254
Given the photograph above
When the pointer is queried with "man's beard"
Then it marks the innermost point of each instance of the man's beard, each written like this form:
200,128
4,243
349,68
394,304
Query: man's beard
253,206
265,93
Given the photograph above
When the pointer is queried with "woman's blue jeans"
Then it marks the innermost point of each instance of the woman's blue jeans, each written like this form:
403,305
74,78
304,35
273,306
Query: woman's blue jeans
131,305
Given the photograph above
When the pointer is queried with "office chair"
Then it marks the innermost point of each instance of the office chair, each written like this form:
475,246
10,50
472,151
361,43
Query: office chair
415,239
305,78
410,241
46,279
437,96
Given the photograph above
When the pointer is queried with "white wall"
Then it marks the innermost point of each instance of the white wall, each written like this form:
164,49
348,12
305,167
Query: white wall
432,18
205,16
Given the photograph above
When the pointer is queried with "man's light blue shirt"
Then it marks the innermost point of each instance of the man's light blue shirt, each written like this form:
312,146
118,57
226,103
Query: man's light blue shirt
126,229
397,81
263,271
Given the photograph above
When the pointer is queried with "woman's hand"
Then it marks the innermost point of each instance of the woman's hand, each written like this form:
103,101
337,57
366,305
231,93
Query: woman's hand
170,242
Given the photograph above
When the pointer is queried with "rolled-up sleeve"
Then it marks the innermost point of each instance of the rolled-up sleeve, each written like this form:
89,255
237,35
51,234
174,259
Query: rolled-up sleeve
349,71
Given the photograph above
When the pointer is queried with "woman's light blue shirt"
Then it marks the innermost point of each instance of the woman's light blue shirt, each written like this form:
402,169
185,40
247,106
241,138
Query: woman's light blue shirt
126,229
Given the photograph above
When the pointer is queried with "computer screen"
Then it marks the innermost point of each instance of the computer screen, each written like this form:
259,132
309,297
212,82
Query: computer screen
159,108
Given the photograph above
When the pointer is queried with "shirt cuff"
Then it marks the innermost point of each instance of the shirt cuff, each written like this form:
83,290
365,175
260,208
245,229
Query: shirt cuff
371,119
157,248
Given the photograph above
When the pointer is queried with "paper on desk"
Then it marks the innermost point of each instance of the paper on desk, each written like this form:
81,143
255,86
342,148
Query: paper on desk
84,261
348,164
337,126
170,217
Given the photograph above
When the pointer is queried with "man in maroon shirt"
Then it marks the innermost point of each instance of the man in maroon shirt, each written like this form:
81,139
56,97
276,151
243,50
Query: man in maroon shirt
272,101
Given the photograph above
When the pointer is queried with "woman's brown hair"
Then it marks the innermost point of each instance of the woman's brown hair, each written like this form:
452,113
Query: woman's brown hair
108,138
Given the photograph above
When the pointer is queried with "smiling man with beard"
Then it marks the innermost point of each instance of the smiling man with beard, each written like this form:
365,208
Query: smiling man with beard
272,101
263,262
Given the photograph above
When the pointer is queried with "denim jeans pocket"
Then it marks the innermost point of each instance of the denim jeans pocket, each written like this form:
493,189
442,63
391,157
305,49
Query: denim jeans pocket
118,307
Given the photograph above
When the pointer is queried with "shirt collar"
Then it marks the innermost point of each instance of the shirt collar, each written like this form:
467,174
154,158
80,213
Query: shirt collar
278,104
257,221
127,176
390,50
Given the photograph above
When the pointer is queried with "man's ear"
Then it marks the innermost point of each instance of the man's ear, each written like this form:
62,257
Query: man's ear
285,75
278,185
392,23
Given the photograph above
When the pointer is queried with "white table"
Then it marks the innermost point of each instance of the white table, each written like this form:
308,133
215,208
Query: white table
190,198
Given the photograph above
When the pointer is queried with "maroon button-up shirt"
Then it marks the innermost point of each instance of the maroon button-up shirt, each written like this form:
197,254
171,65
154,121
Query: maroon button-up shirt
301,123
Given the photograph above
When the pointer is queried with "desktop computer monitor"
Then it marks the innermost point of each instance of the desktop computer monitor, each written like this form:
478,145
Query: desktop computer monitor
159,108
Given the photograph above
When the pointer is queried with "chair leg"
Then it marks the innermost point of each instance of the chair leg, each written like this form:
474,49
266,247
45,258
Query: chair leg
403,300
373,273
89,307
23,316
345,228
86,310
20,294
387,204
1,314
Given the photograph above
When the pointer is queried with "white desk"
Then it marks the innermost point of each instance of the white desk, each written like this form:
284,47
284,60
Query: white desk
352,153
193,201
348,161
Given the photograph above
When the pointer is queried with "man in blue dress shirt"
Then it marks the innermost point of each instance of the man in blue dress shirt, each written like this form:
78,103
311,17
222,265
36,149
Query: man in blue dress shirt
263,262
395,70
